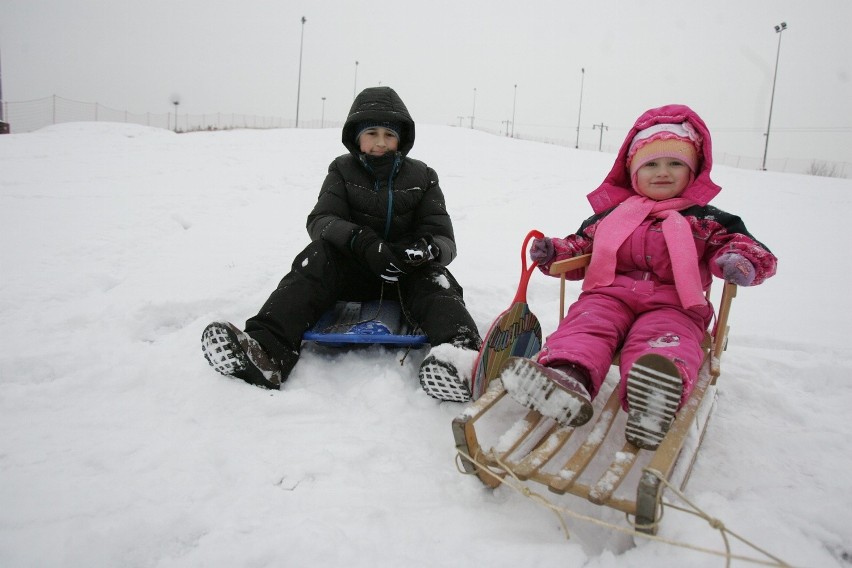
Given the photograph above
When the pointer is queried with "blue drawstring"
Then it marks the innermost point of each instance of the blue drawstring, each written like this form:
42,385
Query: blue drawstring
396,162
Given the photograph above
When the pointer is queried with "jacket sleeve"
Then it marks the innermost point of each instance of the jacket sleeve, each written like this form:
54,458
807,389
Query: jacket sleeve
732,236
573,245
329,219
432,217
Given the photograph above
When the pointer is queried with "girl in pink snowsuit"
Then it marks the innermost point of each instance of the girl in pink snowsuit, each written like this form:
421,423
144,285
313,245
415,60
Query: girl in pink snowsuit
655,243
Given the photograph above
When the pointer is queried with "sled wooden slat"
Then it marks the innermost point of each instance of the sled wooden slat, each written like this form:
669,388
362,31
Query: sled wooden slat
543,452
720,331
605,487
581,458
465,437
562,267
592,462
526,434
649,491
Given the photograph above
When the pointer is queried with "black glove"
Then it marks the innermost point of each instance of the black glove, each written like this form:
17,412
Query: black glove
422,250
377,255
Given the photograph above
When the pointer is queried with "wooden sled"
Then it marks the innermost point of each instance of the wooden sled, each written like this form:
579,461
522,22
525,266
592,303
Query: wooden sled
593,461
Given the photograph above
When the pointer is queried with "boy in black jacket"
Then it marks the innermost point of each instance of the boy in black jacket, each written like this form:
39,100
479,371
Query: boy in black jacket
380,229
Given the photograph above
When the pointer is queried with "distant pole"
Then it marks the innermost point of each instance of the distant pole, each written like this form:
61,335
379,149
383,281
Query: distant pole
778,29
4,126
602,126
176,102
322,120
299,87
514,103
473,114
580,112
1,88
355,86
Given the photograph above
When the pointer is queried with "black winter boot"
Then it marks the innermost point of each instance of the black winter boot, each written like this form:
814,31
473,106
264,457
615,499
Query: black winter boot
446,372
234,353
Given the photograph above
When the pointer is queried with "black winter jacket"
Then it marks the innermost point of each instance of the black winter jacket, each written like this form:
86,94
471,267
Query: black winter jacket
396,196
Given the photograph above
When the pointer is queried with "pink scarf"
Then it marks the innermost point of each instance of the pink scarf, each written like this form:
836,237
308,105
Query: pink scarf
617,227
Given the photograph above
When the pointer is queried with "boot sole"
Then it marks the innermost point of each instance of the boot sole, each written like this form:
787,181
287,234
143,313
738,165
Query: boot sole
441,380
654,389
528,383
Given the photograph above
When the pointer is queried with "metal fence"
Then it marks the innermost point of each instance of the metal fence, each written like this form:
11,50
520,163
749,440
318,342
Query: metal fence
828,168
27,116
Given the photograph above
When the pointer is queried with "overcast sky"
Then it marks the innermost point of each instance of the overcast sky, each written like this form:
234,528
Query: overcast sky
445,56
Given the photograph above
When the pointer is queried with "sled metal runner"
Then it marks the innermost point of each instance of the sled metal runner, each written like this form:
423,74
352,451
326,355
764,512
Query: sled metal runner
593,461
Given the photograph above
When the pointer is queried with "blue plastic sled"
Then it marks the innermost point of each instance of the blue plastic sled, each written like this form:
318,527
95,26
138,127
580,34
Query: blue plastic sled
366,323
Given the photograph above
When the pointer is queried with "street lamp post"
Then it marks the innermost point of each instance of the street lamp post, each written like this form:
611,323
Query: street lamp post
514,103
176,102
603,127
322,120
299,86
779,29
2,123
580,112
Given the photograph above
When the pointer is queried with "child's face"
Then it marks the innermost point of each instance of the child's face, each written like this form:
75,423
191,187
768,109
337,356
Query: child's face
378,141
662,178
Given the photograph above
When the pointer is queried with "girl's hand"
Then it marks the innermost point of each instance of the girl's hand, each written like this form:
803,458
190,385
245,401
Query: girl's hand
736,268
541,251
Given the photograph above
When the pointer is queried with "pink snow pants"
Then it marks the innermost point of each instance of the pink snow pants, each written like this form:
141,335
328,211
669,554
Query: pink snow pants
636,316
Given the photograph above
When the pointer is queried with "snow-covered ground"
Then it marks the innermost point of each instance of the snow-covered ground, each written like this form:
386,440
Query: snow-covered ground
119,446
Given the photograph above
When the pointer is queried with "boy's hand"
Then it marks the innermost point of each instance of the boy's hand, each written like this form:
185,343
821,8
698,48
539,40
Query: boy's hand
736,268
377,255
541,251
422,250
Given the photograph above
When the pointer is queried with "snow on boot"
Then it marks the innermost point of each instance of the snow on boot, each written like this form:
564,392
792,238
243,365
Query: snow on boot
445,373
549,391
654,389
234,353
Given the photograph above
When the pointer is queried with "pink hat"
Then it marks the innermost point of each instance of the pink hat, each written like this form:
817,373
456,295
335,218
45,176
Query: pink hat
679,141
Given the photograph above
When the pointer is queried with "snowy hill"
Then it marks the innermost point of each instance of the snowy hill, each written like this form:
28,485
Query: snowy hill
121,447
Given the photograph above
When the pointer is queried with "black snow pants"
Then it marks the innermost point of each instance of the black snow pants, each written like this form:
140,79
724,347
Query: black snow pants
321,275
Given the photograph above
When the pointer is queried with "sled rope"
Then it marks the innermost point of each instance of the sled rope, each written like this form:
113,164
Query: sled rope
520,487
335,327
713,522
408,320
517,486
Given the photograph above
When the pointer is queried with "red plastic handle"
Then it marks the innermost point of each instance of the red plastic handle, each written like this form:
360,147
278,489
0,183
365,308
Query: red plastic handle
526,271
